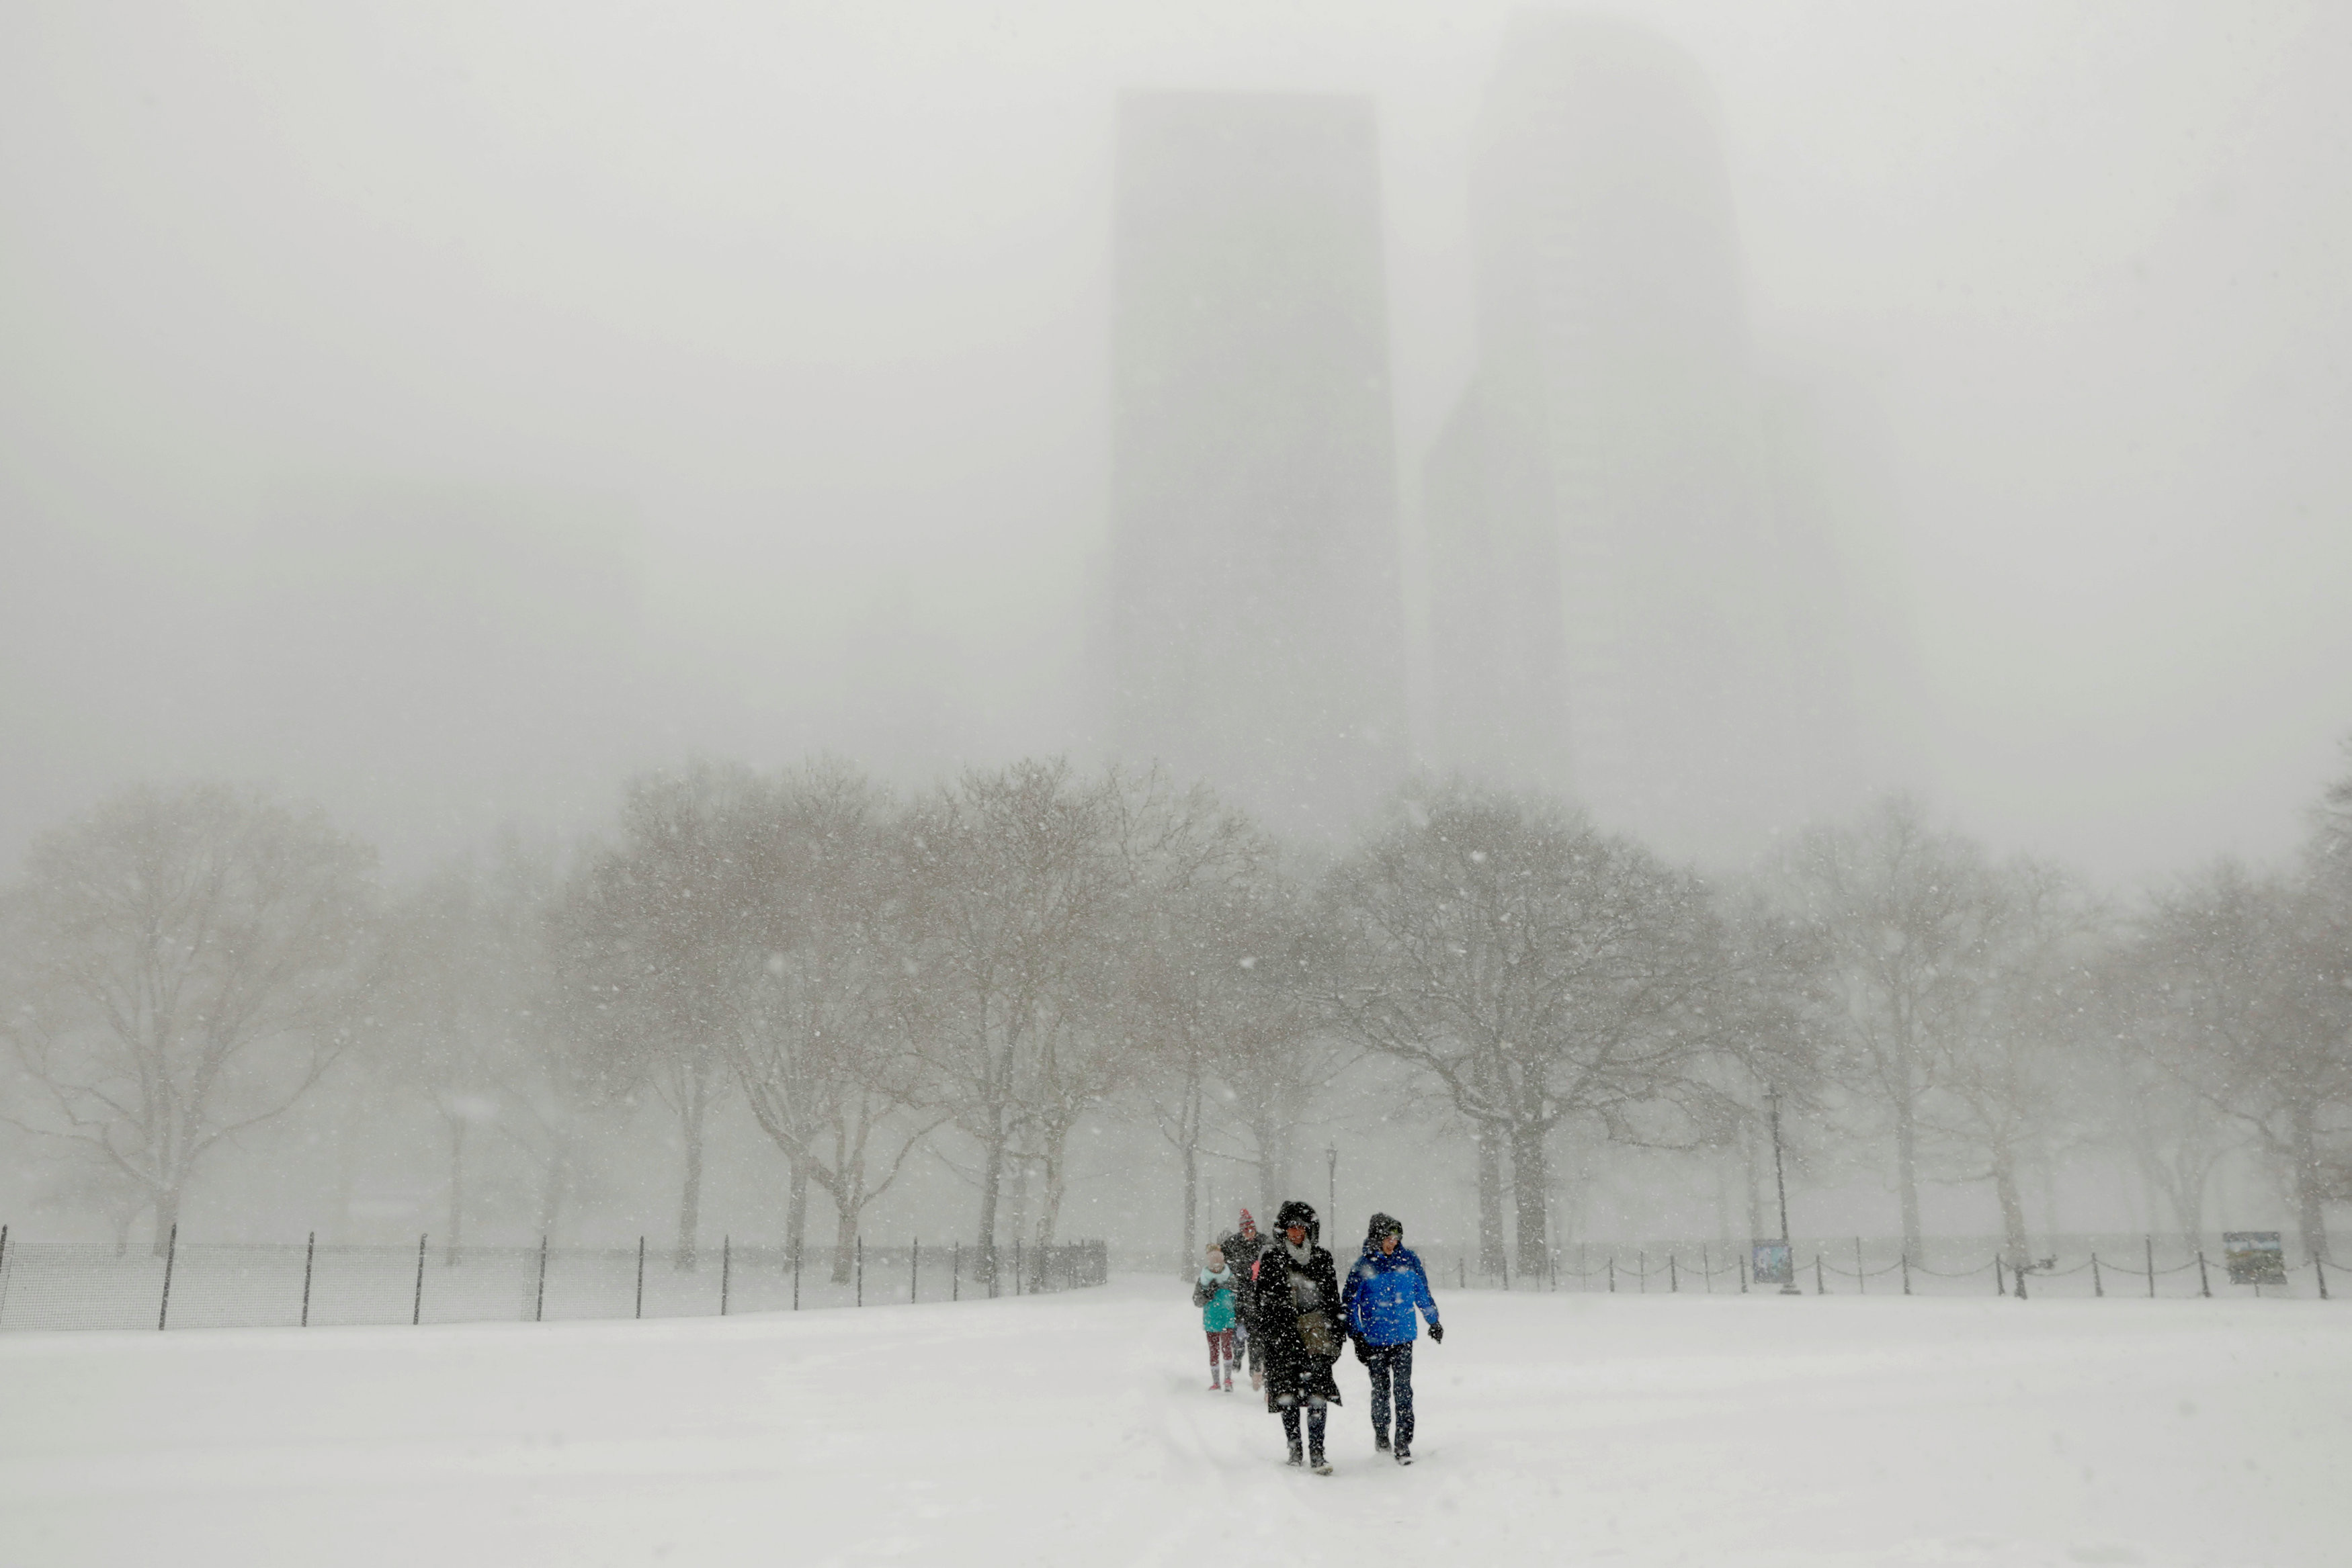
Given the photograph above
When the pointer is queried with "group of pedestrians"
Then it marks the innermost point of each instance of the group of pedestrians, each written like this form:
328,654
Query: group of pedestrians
1277,1302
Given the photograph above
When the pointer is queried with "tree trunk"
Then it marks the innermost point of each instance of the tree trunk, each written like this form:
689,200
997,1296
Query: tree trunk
1907,1164
692,1106
992,1181
456,1228
167,1217
1020,1217
844,1237
1531,1187
1057,1172
796,1213
2310,1183
1748,1140
1490,1200
1191,1125
559,1181
2012,1205
1273,1142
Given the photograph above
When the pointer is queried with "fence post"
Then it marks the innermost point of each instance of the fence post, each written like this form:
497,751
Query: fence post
726,1269
170,1256
1461,1274
1706,1269
2204,1285
1640,1272
417,1307
1673,1277
1743,1274
915,1273
1999,1281
1861,1275
796,1278
861,1271
2318,1264
641,1277
1507,1268
2021,1271
1613,1273
955,1273
4,1268
2150,1241
1818,1289
2098,1286
310,1253
1906,1270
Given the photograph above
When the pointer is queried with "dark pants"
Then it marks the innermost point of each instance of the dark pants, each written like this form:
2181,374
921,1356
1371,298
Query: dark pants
1391,1363
1317,1412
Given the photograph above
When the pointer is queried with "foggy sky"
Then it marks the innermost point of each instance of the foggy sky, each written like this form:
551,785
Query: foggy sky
784,330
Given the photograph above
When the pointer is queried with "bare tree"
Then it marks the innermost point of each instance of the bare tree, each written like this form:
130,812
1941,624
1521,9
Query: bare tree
1216,980
2256,966
1539,971
466,1008
1900,910
2154,1114
820,1049
185,964
2007,1074
655,938
1012,887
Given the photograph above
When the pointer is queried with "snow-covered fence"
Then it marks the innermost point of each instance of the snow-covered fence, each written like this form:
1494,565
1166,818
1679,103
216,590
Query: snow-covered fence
77,1285
2094,1266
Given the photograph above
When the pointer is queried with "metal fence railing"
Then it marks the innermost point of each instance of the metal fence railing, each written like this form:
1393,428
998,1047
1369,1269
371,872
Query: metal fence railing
76,1285
2085,1265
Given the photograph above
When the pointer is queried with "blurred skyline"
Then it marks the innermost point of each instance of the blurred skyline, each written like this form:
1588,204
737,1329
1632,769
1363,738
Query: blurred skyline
741,378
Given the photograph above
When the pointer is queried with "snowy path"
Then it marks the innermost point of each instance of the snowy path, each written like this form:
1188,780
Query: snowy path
1076,1429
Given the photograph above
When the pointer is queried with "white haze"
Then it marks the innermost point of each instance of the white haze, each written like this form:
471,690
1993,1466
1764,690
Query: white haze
753,361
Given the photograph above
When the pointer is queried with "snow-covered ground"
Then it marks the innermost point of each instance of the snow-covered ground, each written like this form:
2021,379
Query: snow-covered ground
1078,1429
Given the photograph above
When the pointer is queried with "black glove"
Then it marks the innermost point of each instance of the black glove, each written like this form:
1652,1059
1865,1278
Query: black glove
1437,1333
1361,1354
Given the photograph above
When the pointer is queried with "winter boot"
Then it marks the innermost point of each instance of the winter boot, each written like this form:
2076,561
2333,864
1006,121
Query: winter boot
1403,1455
1380,1442
1319,1464
1298,1455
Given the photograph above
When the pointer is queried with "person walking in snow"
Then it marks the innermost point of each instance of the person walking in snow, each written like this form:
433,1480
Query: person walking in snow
1214,1290
1383,1288
1242,1250
1295,1314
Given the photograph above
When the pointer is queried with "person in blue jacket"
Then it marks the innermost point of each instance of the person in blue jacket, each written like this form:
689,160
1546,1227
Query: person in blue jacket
1382,1289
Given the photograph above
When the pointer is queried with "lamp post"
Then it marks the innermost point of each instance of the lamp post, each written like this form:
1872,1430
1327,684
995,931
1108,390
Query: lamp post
1331,1158
1781,1181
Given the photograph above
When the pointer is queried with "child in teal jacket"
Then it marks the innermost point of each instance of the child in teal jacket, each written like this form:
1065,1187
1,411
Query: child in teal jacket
1212,1293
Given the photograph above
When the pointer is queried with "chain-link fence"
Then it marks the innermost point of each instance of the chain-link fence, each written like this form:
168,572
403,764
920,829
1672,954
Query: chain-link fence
2084,1265
76,1285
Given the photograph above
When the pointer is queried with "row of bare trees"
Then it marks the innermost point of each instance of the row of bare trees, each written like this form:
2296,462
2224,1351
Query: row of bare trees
1993,1019
980,973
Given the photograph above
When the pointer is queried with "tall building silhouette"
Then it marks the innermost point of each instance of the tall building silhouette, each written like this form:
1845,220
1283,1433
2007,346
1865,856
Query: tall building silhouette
1607,609
1257,631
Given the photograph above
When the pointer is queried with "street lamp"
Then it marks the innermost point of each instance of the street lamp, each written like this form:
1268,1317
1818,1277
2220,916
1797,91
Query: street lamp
1780,1181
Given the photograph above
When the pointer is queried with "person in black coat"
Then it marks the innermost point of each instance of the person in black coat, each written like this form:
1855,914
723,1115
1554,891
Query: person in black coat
1296,1313
1242,1249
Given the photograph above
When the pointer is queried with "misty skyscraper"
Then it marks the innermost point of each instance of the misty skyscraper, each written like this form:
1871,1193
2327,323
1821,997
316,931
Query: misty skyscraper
1607,611
1257,622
